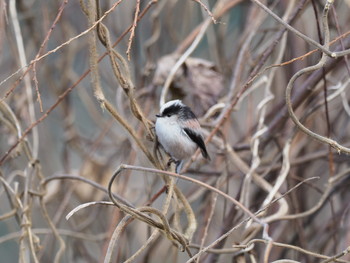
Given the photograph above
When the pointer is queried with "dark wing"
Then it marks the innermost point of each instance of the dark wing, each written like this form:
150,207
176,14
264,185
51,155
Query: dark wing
198,139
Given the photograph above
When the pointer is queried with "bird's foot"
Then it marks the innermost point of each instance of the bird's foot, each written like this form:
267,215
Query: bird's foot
171,160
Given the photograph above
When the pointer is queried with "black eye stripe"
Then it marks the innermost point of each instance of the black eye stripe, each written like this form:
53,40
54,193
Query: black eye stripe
182,110
173,109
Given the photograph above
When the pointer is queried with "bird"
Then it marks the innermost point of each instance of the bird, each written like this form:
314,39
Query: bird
179,132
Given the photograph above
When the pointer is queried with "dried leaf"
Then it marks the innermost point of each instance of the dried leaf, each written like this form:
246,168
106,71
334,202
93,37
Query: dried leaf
197,82
204,84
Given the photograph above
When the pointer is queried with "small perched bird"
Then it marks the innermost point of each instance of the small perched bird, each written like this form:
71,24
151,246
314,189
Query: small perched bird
179,133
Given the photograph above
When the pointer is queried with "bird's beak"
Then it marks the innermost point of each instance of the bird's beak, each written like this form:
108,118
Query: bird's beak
158,115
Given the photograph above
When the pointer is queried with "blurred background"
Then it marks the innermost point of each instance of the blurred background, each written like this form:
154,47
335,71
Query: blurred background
237,62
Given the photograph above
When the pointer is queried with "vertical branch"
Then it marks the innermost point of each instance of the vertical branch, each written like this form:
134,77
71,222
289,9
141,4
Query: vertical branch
133,28
59,14
325,91
93,57
23,65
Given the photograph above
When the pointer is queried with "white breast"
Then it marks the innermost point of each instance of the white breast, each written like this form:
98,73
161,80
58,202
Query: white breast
173,139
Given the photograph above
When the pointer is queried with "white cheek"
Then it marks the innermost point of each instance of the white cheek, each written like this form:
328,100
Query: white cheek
166,129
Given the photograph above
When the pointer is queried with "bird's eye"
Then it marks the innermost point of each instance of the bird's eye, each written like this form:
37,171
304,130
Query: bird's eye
168,115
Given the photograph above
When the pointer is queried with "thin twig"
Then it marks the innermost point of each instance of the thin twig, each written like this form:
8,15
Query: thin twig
62,96
320,64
